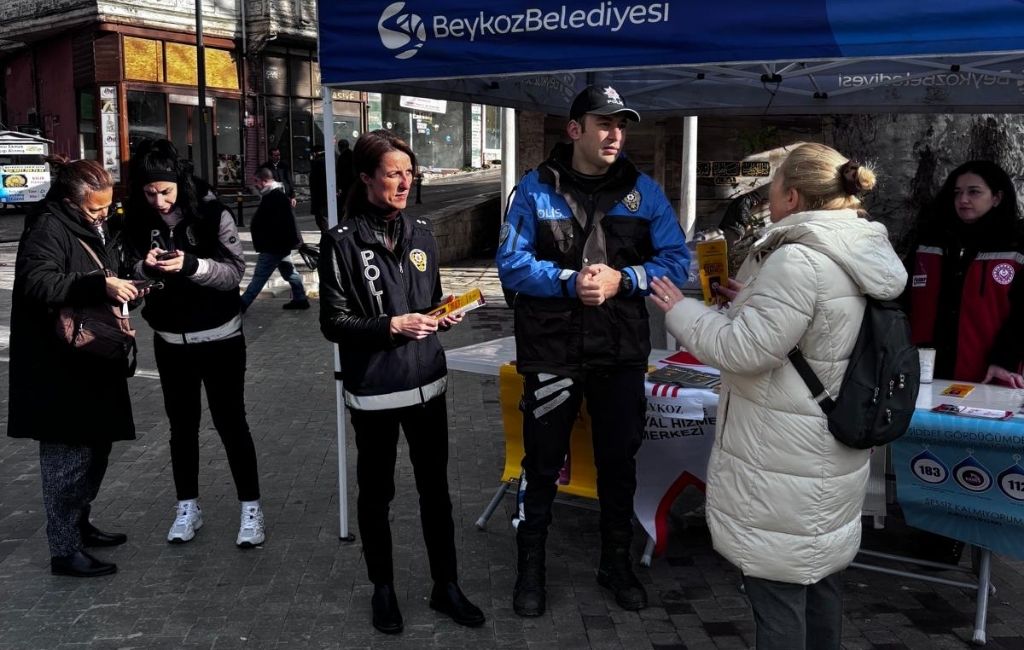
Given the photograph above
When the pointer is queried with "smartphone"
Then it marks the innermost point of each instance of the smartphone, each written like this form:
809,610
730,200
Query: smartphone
148,284
166,255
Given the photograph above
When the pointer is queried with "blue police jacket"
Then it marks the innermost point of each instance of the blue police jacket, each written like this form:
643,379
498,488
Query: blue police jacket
558,223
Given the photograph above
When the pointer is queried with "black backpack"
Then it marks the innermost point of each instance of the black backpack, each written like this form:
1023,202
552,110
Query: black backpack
879,390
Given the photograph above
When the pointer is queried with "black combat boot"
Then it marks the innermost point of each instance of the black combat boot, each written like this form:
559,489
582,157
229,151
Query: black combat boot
616,574
529,597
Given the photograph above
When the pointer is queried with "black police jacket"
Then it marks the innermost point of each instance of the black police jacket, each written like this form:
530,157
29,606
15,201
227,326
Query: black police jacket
362,286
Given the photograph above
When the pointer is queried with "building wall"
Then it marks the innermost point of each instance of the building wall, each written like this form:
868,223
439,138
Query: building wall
20,89
57,110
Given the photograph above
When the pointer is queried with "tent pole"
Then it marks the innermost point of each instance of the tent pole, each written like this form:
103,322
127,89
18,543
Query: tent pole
508,155
687,192
330,165
688,183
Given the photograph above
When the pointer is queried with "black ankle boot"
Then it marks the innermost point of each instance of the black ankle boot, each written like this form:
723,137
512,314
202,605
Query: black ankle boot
529,597
616,574
93,536
447,598
80,565
386,616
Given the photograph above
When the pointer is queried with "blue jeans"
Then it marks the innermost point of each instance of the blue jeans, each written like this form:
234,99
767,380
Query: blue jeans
265,265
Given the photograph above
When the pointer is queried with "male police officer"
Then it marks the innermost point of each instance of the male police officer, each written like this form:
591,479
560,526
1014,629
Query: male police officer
584,234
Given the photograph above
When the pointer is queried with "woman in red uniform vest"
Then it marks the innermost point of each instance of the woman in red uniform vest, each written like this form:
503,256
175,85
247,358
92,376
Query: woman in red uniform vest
965,292
966,296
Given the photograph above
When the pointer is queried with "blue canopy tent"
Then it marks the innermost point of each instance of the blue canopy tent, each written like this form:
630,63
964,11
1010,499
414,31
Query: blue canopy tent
669,58
784,57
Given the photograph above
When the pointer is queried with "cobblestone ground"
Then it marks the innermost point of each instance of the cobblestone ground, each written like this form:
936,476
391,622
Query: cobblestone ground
306,588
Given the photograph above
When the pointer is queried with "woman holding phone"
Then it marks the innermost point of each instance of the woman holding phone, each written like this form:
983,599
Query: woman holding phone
75,404
191,245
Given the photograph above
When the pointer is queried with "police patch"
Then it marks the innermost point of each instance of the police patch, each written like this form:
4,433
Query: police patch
1003,273
632,200
418,259
506,230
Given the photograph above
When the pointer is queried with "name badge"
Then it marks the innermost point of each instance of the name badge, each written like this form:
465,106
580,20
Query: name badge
920,281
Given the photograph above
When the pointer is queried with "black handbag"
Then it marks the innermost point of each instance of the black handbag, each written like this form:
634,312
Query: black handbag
310,255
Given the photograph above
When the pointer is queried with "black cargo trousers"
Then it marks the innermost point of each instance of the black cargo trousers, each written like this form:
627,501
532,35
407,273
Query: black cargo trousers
616,403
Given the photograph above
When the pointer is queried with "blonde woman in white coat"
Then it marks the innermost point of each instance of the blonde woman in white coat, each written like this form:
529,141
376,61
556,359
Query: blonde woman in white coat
783,496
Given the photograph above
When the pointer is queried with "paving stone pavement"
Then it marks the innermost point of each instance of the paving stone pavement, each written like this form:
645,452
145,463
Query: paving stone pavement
307,589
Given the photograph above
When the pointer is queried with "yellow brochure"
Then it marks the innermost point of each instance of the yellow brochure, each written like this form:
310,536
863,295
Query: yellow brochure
460,304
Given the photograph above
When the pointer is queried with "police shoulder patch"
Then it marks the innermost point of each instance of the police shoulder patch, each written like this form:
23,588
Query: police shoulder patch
418,259
632,200
506,230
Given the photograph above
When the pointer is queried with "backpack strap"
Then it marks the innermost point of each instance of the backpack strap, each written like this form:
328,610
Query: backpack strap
818,392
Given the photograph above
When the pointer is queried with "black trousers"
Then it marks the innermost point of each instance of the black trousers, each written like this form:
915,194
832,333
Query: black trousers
797,617
426,431
220,367
71,476
616,403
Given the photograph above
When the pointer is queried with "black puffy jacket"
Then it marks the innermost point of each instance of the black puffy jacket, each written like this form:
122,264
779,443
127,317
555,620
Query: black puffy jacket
362,285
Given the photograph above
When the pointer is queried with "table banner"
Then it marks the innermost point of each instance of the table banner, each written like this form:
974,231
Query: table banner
678,435
964,478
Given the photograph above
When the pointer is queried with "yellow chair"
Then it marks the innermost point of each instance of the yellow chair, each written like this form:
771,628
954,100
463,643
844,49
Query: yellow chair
582,473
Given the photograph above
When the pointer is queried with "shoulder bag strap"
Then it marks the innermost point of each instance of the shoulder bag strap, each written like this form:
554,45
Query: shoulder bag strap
818,392
92,254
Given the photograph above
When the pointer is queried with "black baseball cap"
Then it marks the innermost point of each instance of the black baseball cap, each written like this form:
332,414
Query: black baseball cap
600,101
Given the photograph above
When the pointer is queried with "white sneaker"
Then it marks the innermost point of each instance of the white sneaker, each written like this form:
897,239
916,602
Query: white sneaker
188,520
251,532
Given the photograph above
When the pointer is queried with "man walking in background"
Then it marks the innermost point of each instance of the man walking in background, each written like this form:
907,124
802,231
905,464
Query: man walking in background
281,172
274,236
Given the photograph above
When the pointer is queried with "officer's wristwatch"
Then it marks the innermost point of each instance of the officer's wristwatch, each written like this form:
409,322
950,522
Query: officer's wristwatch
625,284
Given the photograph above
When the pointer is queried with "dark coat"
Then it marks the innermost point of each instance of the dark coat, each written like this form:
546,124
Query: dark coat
273,224
282,174
58,394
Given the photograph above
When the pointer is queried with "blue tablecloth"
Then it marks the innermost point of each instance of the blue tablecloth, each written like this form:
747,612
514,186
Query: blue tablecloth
964,478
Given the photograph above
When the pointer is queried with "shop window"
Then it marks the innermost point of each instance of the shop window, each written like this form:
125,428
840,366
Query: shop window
302,133
221,69
436,138
275,76
299,77
143,59
147,116
229,142
492,127
181,64
279,133
87,126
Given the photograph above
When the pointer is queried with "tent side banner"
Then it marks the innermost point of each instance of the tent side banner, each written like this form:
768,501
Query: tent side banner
365,41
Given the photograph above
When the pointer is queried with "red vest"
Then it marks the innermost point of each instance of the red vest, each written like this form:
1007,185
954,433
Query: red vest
984,305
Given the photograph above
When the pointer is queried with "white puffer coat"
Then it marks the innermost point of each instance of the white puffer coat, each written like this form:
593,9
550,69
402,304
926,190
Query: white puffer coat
783,496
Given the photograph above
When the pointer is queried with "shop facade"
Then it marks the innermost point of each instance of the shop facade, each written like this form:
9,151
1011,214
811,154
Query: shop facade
95,86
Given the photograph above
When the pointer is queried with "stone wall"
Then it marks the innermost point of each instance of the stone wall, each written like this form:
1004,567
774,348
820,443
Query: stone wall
913,154
467,229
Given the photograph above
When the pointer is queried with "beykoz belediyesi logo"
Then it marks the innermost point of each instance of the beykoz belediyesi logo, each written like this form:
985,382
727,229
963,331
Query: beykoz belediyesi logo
404,32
